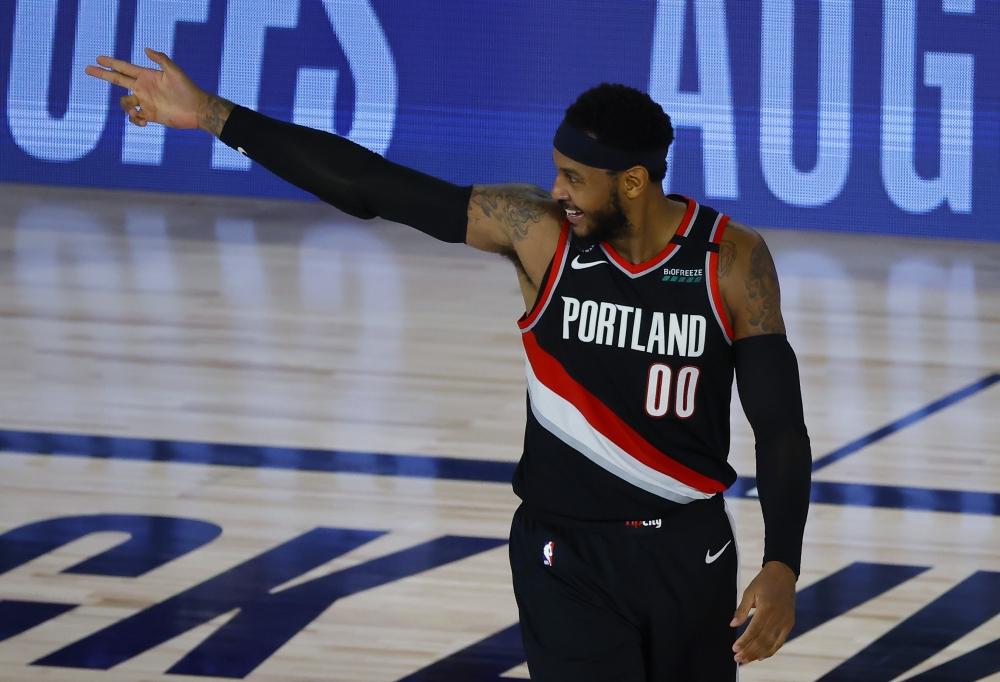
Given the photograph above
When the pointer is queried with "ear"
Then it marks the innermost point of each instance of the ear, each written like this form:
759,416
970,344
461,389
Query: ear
634,181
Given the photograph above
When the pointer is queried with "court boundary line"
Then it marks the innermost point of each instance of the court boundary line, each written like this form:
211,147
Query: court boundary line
908,420
975,502
494,471
255,456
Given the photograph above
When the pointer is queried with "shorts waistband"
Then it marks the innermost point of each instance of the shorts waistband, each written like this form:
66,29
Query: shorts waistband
624,526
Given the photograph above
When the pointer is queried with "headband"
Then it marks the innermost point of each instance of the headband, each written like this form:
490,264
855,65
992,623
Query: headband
583,148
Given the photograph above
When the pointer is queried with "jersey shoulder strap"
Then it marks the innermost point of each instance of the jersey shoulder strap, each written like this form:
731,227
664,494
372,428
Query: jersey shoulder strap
701,235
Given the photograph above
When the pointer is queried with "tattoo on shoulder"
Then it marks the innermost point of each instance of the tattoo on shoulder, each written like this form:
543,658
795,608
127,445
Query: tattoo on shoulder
727,256
518,208
764,310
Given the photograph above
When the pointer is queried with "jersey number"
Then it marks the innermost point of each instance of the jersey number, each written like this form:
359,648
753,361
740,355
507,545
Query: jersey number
658,391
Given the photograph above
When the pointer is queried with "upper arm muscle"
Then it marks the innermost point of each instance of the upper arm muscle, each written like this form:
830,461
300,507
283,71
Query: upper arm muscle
749,283
521,221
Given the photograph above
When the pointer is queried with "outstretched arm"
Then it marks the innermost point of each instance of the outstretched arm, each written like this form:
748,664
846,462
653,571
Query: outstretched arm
521,221
768,380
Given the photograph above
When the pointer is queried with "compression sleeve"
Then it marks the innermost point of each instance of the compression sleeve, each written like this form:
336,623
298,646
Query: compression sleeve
767,377
350,177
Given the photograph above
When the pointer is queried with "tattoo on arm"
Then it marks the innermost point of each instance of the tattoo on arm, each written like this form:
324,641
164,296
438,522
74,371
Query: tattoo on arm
216,114
727,256
764,298
516,208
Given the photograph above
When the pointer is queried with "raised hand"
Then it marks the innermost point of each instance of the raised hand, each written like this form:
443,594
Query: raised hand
166,96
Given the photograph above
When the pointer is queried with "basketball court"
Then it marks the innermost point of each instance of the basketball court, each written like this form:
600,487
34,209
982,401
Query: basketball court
259,439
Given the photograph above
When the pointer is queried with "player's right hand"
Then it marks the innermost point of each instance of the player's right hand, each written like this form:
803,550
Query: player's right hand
166,96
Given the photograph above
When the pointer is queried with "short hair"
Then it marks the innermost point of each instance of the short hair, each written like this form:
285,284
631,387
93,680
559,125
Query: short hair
624,118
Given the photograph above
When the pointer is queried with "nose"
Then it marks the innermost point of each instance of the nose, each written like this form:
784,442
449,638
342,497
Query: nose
559,191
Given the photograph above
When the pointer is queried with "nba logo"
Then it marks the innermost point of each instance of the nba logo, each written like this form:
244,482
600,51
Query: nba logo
547,551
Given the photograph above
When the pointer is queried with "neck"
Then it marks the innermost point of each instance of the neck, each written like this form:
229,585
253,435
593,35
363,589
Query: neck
654,221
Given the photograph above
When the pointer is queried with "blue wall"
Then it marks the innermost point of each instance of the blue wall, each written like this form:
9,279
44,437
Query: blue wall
859,116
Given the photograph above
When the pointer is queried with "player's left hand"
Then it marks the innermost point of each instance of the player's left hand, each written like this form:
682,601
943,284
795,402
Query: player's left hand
772,594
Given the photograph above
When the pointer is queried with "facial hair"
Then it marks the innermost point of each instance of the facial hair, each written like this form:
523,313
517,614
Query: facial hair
608,223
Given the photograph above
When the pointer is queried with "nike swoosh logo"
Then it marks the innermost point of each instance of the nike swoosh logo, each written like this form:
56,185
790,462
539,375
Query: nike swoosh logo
577,265
710,558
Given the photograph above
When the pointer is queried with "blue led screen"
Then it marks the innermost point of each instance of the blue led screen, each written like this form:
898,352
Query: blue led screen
866,116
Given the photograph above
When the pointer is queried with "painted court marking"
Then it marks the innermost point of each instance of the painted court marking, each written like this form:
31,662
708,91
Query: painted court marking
910,419
491,471
236,649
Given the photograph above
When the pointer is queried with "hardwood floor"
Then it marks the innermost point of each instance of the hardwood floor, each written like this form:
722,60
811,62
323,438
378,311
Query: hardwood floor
267,324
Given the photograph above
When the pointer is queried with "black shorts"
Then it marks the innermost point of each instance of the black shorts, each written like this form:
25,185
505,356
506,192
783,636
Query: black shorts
625,602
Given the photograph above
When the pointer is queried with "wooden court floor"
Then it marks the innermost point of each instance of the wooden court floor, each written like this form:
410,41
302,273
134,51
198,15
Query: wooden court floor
260,439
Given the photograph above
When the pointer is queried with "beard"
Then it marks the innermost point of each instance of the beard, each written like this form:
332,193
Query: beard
609,223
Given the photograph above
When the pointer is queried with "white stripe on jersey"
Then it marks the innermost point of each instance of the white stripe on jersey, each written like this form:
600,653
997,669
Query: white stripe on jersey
568,424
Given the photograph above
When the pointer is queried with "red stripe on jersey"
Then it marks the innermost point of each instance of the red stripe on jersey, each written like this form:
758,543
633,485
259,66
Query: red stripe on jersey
550,372
713,280
667,251
558,261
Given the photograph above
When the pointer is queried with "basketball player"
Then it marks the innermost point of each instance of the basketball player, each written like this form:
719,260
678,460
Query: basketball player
639,308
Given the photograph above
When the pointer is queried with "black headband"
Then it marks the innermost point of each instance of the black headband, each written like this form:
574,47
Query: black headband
583,148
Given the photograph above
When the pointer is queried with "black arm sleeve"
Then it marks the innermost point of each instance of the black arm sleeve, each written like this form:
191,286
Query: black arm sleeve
350,177
767,377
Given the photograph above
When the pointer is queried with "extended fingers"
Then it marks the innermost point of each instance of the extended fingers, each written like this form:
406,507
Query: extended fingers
159,58
120,66
115,77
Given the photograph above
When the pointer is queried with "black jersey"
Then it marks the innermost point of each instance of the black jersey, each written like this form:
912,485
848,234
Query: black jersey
630,374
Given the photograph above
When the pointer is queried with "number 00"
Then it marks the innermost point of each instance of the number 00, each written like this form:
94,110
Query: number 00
658,391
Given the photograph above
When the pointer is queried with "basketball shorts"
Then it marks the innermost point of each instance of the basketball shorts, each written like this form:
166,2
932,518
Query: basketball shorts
647,600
